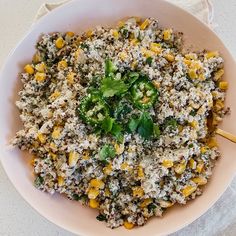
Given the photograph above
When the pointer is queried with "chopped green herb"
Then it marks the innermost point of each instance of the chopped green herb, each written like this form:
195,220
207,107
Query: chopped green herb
84,45
149,61
110,68
38,181
151,207
190,145
170,122
133,124
124,32
145,127
156,131
101,217
107,124
106,152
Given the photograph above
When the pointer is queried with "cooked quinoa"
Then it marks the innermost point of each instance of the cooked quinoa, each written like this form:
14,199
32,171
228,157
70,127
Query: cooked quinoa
159,154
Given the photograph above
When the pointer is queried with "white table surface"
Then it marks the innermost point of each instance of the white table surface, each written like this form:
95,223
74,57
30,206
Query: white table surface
17,218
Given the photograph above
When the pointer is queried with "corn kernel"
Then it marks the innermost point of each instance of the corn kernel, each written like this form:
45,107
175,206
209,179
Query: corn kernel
97,183
211,54
93,193
89,33
140,172
123,55
62,65
156,84
60,43
56,132
124,166
167,163
40,77
195,65
192,164
192,74
85,155
194,124
42,138
219,74
200,167
41,67
165,204
29,69
108,169
138,192
146,202
119,148
73,158
53,155
134,64
120,24
191,56
147,53
203,150
70,77
128,225
223,85
93,203
199,180
219,105
36,58
70,34
53,146
187,62
115,33
155,47
188,190
107,192
145,24
212,143
167,34
60,181
55,95
134,42
169,57
202,77
180,168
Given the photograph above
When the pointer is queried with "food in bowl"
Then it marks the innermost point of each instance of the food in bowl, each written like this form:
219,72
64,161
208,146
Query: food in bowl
122,119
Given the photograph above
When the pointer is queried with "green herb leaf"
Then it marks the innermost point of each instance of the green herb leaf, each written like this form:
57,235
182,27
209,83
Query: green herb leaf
101,217
156,131
117,132
149,61
121,110
107,124
110,68
107,151
111,87
133,124
124,32
38,181
145,127
170,122
151,207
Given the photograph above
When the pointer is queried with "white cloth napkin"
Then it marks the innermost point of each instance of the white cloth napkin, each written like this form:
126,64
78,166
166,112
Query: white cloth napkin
201,8
220,220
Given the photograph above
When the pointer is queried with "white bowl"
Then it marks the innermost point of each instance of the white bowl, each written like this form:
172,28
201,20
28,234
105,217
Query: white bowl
78,16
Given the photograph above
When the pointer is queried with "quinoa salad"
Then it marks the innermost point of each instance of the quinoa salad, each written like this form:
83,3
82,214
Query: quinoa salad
122,119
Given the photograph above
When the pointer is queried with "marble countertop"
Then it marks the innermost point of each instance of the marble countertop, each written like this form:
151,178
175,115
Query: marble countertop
18,218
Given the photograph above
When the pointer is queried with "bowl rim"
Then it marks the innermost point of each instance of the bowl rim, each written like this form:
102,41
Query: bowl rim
25,36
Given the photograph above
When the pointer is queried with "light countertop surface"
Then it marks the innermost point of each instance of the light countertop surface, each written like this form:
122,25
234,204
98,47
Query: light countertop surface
17,218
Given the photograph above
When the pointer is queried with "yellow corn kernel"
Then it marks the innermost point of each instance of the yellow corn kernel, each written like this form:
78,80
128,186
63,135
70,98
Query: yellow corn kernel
40,77
124,166
155,47
107,192
200,167
41,67
62,65
219,105
191,56
134,64
187,62
192,164
147,53
165,204
60,43
123,55
169,57
180,168
93,203
85,155
156,84
194,124
53,155
146,202
56,132
119,148
223,85
93,193
203,150
70,77
60,181
209,55
73,158
202,77
32,161
70,34
42,138
192,74
180,128
212,143
167,163
120,24
107,169
128,225
199,180
167,34
188,190
195,65
53,146
96,183
115,34
89,33
138,192
219,74
140,172
134,42
145,24
29,69
36,58
55,95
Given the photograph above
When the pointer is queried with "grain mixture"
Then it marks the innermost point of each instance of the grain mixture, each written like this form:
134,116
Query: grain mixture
121,119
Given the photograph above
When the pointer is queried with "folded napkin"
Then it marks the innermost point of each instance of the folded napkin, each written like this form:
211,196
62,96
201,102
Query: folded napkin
200,8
